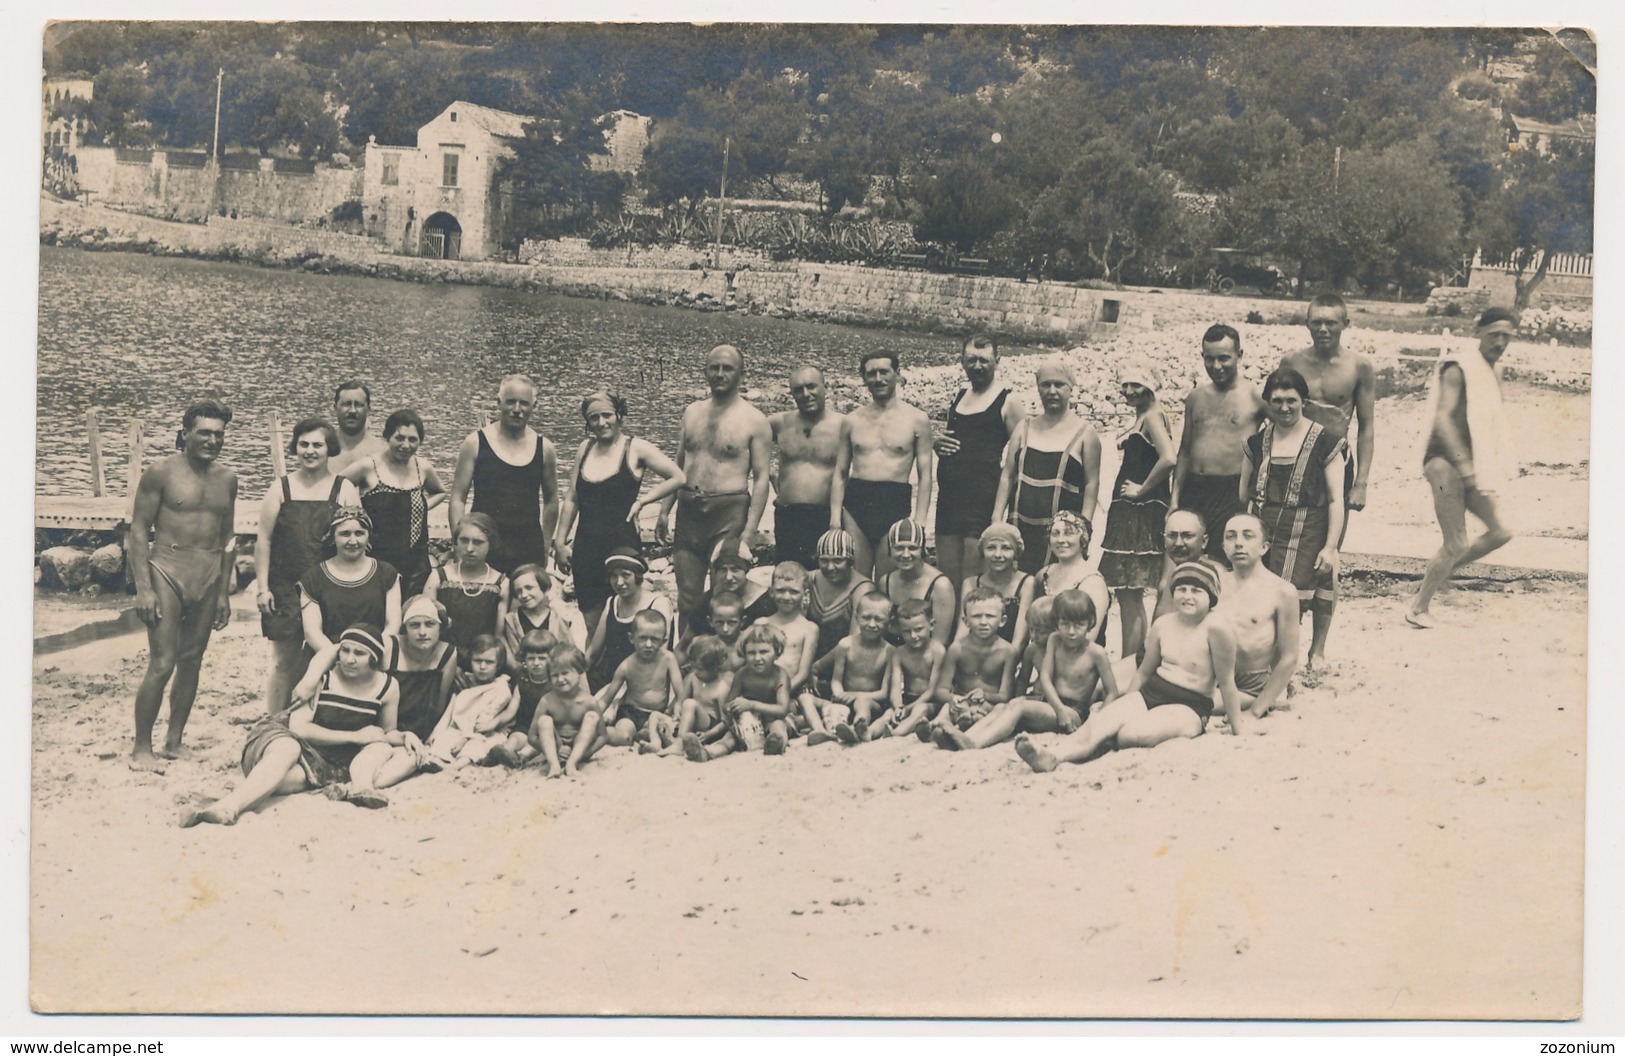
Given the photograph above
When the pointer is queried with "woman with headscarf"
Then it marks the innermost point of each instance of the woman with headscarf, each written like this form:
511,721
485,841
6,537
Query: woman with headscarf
350,587
601,500
1131,549
1051,463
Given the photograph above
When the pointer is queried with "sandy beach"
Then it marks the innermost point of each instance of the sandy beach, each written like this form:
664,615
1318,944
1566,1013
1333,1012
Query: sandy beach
1405,842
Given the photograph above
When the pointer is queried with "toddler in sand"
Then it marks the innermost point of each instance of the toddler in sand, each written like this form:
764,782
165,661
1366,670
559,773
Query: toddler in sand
759,699
915,668
1040,625
652,685
702,732
567,715
470,729
859,687
977,670
530,683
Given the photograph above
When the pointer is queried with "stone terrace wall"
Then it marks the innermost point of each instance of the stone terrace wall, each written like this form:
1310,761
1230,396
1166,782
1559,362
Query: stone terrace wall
147,183
250,235
577,253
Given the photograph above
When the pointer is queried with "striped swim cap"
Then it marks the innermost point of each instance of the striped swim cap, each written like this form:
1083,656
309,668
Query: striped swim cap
1200,575
836,543
906,532
367,637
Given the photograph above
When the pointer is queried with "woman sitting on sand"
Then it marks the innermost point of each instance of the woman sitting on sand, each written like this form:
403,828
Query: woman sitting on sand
914,577
1069,544
350,587
474,594
347,730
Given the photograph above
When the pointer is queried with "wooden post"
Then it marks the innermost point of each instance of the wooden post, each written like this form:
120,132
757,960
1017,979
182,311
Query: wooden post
279,465
98,483
133,476
482,417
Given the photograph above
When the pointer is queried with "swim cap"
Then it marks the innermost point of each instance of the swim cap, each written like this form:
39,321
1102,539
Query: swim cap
1139,371
628,558
420,605
905,531
1060,367
1071,522
1197,574
728,555
1000,530
614,400
836,543
349,513
367,637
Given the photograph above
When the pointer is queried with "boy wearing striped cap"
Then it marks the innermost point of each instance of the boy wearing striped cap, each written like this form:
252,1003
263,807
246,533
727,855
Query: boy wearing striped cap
1188,655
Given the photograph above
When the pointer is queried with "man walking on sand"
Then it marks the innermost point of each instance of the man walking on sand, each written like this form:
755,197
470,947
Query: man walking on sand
1468,460
1263,611
882,446
807,439
724,448
1219,416
513,470
1342,390
969,453
188,502
352,402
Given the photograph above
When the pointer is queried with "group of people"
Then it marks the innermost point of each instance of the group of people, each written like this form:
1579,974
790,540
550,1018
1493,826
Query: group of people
410,667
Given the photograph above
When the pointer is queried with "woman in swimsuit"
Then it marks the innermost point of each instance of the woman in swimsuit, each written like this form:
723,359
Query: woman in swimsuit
294,518
1001,547
398,491
350,587
1051,464
914,578
603,491
1068,542
475,594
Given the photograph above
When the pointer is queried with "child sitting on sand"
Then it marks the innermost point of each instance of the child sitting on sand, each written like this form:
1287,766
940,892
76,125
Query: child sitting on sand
789,592
1073,672
915,668
727,619
534,608
1188,654
977,669
653,686
567,715
859,688
470,730
1040,625
530,683
759,699
702,732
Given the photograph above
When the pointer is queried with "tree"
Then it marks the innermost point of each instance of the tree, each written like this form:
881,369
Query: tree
1108,209
549,176
1546,206
962,202
1558,86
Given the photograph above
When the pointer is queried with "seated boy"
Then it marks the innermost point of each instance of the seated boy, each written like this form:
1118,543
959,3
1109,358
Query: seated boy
470,728
977,669
1188,653
915,668
1040,625
727,618
1073,671
568,726
789,592
530,682
701,728
653,687
859,686
759,699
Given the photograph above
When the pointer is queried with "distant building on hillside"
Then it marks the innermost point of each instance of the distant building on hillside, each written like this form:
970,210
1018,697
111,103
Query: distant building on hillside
62,133
1525,133
439,198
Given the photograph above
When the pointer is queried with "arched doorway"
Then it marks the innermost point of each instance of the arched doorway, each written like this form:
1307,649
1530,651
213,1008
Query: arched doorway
442,237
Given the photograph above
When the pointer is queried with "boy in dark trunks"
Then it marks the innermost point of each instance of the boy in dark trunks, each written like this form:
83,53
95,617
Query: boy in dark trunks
977,671
1188,654
726,620
915,668
531,681
568,726
1073,672
182,575
653,686
859,690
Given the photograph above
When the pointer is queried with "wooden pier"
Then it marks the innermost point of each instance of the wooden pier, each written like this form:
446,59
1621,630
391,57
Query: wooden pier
111,513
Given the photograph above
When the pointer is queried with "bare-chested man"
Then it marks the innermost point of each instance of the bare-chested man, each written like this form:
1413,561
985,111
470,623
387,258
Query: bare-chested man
352,402
970,452
807,438
723,449
882,445
1468,461
183,575
513,471
1263,610
1219,416
1342,389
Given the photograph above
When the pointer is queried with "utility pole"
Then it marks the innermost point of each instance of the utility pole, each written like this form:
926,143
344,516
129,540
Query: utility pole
722,198
1337,167
214,153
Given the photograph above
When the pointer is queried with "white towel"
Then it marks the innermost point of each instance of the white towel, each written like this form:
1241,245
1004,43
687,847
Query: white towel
1486,421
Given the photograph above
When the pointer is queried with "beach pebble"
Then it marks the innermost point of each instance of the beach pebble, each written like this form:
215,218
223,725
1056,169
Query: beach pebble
64,568
107,561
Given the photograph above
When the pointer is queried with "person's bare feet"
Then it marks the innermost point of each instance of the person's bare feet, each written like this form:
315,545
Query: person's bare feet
817,737
861,728
210,815
1042,762
845,733
1422,621
951,739
774,745
143,761
370,798
923,732
177,752
693,750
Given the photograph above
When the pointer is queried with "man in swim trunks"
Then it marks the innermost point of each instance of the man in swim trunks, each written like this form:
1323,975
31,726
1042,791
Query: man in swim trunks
1189,654
1263,611
724,449
352,402
807,439
882,445
969,455
1468,461
183,575
513,470
1342,389
1219,416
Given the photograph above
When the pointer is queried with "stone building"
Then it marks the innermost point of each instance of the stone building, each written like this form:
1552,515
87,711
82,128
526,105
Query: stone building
62,133
439,198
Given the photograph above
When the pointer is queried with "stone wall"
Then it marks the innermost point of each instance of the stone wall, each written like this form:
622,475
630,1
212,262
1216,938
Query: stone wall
578,253
249,235
1502,289
146,182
